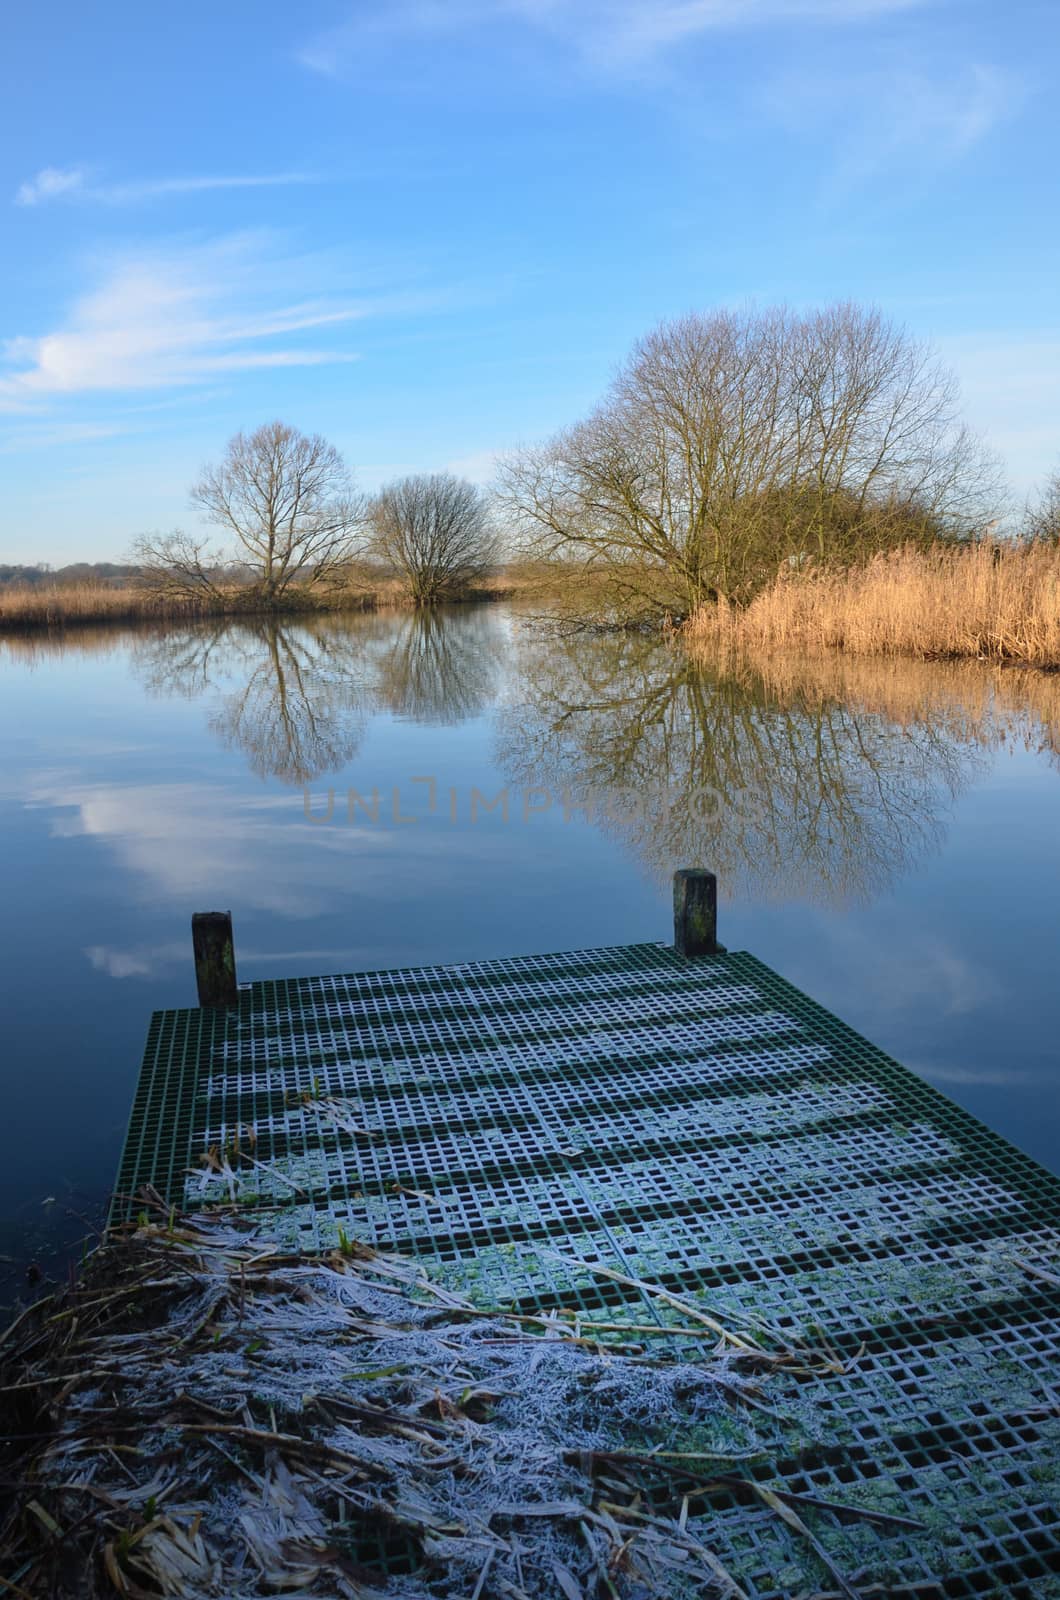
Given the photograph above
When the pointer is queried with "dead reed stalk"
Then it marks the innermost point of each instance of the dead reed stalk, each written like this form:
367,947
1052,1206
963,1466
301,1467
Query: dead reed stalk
201,1414
991,602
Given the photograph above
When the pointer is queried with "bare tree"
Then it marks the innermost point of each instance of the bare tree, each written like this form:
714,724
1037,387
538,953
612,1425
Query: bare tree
288,499
434,531
179,568
730,443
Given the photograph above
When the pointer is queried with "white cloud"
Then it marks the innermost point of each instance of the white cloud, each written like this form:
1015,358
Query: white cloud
606,32
123,963
179,841
173,317
620,31
73,183
49,183
45,437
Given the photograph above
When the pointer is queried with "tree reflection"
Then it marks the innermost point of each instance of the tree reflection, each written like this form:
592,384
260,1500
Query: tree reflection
296,699
782,790
186,661
441,666
303,707
823,780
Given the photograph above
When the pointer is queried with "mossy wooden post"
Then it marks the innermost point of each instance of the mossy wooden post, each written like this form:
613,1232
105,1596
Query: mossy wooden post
695,912
215,957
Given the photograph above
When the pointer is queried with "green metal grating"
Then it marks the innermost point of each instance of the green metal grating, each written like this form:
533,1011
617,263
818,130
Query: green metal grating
702,1125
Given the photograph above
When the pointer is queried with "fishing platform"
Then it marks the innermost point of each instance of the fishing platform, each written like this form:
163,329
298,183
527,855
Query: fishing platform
578,1131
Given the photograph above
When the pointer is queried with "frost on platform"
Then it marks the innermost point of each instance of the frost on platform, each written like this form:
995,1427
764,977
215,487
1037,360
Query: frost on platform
556,1133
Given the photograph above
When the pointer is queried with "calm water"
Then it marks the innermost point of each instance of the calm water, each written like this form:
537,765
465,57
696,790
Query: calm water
886,836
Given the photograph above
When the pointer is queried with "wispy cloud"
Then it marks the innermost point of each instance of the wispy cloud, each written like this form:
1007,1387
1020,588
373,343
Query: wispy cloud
898,114
612,33
49,184
480,466
77,183
617,32
173,317
182,839
130,963
37,437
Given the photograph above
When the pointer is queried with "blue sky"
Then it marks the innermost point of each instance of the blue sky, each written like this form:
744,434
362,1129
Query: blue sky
430,230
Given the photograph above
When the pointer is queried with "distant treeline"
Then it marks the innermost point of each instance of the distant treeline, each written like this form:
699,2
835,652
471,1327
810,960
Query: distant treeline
46,576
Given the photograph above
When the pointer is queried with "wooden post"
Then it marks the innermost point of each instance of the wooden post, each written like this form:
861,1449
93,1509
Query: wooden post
696,912
215,957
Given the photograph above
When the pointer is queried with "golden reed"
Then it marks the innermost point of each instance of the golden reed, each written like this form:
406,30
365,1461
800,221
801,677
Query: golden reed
25,607
997,604
56,605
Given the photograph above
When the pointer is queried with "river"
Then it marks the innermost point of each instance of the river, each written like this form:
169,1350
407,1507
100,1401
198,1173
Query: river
385,790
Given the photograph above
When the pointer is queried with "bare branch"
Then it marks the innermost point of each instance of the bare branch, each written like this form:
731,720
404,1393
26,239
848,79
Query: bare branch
1043,513
176,566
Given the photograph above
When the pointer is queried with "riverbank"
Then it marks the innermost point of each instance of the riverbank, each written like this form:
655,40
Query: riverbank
52,607
84,605
979,602
987,602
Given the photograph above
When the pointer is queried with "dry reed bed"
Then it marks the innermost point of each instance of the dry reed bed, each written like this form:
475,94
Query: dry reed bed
994,603
55,606
91,603
202,1415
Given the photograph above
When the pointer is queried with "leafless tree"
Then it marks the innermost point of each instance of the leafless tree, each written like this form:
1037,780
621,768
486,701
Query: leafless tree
177,567
433,529
288,500
730,443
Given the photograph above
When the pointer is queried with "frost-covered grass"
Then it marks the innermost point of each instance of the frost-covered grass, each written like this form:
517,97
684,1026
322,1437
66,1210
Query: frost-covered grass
204,1414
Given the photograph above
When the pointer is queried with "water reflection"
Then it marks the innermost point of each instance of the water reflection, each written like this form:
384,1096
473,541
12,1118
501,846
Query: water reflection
820,780
830,781
824,781
296,698
441,667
